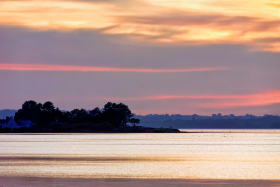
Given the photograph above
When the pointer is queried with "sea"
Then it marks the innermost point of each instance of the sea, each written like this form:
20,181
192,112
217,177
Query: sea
195,157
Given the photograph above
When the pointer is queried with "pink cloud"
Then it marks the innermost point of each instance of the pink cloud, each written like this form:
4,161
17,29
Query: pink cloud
249,96
45,67
226,101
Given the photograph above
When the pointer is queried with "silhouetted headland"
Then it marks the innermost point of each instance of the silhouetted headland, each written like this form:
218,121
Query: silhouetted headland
45,118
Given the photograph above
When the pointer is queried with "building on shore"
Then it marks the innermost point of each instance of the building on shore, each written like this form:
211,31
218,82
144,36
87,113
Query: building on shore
9,122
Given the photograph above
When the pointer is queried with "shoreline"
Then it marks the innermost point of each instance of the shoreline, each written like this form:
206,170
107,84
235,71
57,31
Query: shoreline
256,131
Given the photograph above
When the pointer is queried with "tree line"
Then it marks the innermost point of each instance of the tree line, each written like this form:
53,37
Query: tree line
118,115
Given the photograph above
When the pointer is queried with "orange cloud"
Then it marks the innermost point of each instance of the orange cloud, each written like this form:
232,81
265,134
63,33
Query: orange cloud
44,67
155,21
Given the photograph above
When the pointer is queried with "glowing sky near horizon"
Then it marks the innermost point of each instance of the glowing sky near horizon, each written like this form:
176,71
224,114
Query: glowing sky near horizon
179,56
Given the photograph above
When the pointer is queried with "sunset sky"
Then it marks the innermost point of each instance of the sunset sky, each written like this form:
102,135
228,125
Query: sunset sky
156,56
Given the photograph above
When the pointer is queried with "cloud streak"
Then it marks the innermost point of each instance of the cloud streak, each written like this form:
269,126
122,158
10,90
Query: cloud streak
45,67
220,101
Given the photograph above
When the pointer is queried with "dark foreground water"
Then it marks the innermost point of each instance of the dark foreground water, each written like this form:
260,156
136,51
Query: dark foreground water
223,158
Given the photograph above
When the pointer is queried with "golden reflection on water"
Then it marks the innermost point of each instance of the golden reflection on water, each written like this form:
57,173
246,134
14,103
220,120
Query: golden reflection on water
250,155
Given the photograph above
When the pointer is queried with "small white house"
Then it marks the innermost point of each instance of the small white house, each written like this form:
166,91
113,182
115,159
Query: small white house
3,122
9,122
25,123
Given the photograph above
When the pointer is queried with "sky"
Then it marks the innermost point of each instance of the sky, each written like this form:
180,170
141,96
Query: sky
156,56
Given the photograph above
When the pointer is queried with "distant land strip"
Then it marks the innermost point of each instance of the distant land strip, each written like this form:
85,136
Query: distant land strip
46,67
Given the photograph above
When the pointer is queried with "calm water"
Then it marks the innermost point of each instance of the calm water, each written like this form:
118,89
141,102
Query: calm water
212,155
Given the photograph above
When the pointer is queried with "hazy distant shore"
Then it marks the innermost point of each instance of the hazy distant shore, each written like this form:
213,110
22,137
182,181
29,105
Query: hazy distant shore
128,182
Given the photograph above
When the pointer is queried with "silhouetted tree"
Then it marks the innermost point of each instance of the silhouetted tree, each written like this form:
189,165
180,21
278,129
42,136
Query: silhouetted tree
115,117
48,106
65,117
95,112
133,121
119,114
30,111
79,115
108,106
